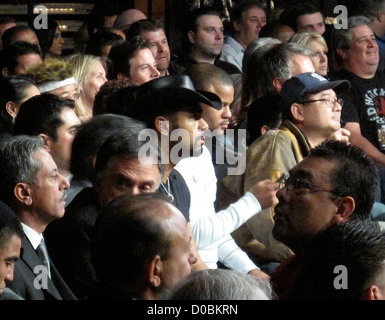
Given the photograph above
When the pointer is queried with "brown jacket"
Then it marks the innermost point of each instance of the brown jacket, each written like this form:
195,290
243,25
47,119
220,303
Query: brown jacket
273,154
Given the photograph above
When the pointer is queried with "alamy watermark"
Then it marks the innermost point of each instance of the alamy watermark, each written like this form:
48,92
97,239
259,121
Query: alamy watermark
229,149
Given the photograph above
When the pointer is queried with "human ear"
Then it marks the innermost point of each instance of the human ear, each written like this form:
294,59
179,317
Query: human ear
23,193
154,272
297,112
11,108
346,206
191,36
47,141
162,125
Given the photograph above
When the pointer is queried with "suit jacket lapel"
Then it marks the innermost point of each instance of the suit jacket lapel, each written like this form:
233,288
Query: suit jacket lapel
31,259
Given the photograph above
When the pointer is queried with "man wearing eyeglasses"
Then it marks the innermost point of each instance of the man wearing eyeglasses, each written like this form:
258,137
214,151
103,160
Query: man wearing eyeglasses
311,114
336,183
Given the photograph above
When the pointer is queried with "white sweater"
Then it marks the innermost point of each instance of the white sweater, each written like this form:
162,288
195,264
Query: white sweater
212,230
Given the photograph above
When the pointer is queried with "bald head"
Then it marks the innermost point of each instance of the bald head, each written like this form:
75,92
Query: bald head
128,17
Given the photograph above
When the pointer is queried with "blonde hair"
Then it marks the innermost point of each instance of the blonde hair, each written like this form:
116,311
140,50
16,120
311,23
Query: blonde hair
305,37
81,64
51,69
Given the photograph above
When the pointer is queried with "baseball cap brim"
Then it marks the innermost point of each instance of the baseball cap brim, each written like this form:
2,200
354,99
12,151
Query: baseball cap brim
340,85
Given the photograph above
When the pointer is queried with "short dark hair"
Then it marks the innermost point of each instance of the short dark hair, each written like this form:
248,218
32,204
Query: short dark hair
100,39
204,74
124,144
355,174
41,114
107,92
91,135
9,225
290,15
9,56
9,34
240,7
357,245
194,15
121,54
128,235
263,111
17,164
143,25
12,88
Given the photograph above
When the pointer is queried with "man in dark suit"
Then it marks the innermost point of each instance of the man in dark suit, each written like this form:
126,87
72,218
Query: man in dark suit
32,187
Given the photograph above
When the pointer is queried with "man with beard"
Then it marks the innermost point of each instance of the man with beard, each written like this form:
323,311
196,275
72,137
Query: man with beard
205,42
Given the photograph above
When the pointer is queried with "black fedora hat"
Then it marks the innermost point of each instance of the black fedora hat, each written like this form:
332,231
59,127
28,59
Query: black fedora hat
166,95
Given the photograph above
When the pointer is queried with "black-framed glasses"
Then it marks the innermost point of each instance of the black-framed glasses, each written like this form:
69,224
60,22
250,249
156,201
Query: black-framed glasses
330,103
298,186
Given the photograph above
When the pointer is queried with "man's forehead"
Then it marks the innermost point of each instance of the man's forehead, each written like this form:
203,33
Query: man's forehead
208,20
361,31
310,18
45,159
153,33
313,166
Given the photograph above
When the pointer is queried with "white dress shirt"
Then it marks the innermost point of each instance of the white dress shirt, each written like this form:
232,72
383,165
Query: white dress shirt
232,52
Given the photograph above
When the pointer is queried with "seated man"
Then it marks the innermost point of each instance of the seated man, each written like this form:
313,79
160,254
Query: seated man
11,233
33,188
147,243
336,183
204,41
247,19
133,60
344,262
311,114
18,57
118,171
54,119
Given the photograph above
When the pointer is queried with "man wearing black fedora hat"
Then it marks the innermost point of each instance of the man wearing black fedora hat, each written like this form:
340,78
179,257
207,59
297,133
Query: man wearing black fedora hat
211,229
170,105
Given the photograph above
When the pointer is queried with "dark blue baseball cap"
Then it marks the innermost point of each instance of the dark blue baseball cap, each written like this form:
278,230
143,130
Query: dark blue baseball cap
298,86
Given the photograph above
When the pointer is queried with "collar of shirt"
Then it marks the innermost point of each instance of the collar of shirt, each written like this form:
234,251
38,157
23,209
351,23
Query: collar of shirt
33,236
235,44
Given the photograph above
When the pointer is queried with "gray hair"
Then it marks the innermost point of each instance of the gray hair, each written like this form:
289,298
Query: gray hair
254,45
221,284
262,69
18,163
342,38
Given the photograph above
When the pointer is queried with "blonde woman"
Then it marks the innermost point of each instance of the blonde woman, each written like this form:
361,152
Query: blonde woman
316,43
90,76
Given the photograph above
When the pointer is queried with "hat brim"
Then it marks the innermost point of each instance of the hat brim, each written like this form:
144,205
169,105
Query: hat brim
340,85
168,100
216,102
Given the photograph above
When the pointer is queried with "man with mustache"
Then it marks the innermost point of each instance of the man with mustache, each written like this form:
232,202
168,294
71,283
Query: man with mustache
33,188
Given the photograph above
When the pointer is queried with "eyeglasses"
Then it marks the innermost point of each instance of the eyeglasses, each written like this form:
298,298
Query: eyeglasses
330,103
297,186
